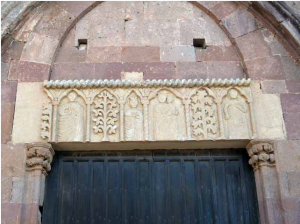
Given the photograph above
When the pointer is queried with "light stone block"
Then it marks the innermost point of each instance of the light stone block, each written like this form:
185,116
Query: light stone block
133,76
28,110
268,114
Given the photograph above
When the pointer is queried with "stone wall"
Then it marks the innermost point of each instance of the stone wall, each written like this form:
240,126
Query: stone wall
155,38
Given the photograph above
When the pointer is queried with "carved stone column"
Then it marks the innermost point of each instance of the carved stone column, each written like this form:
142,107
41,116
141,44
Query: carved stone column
38,163
262,159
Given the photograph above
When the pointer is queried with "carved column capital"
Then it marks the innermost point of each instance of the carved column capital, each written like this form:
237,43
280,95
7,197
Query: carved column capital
261,153
39,156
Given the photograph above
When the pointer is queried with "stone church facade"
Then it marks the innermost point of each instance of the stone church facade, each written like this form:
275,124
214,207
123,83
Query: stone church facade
206,78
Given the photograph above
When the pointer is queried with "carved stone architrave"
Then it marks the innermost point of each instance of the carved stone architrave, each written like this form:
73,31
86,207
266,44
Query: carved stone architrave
261,153
150,110
39,157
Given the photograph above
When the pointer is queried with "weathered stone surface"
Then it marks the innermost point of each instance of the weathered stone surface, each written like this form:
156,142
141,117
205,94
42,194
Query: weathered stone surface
151,70
54,22
71,54
140,54
203,27
6,187
268,114
288,153
292,124
4,70
69,41
13,160
293,86
39,48
32,71
13,70
276,47
168,10
29,105
220,9
13,52
290,103
216,53
240,22
8,91
10,213
224,70
62,71
291,205
290,68
7,115
104,54
265,68
294,182
75,8
253,45
177,53
273,86
191,70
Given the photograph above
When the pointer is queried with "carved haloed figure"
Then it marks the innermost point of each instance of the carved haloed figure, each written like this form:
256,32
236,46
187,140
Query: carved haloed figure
133,121
71,120
235,110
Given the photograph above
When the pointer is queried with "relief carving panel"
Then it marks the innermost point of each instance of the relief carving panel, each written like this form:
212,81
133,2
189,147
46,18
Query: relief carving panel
151,110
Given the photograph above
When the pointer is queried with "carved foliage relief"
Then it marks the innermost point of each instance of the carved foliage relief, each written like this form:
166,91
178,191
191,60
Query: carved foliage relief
171,110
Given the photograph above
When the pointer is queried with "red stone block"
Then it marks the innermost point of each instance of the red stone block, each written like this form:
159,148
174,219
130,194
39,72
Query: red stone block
76,8
217,53
292,125
221,9
4,70
224,70
290,68
151,70
13,52
7,116
64,71
265,68
293,86
104,54
140,54
290,102
253,45
8,91
191,70
32,71
70,54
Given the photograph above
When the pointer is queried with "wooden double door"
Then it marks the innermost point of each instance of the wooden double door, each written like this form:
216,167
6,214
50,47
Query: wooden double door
174,186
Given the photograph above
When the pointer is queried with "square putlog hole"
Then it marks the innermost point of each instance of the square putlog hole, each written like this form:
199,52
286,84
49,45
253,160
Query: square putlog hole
199,43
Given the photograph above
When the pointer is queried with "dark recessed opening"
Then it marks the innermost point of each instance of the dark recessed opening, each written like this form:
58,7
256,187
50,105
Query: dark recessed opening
82,44
199,42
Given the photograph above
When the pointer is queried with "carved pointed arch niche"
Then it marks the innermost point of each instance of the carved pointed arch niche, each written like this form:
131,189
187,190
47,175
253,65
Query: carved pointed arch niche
151,110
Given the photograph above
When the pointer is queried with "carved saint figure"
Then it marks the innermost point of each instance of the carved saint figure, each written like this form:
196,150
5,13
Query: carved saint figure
236,116
165,118
71,120
133,121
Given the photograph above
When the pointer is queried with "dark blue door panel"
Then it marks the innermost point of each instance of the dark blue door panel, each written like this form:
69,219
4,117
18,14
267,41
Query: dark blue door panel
167,187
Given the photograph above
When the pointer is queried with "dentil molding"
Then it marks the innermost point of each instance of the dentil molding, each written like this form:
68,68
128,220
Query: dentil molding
150,110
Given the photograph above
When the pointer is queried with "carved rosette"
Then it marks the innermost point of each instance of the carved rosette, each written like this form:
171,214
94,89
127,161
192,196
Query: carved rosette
39,157
261,153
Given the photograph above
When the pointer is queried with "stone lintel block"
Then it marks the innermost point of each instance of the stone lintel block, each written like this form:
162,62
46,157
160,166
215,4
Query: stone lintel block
140,54
13,160
104,54
75,8
32,71
29,106
293,86
268,68
216,53
177,53
253,45
39,48
273,86
151,70
292,124
225,69
191,70
8,91
290,102
240,22
65,71
7,116
54,22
